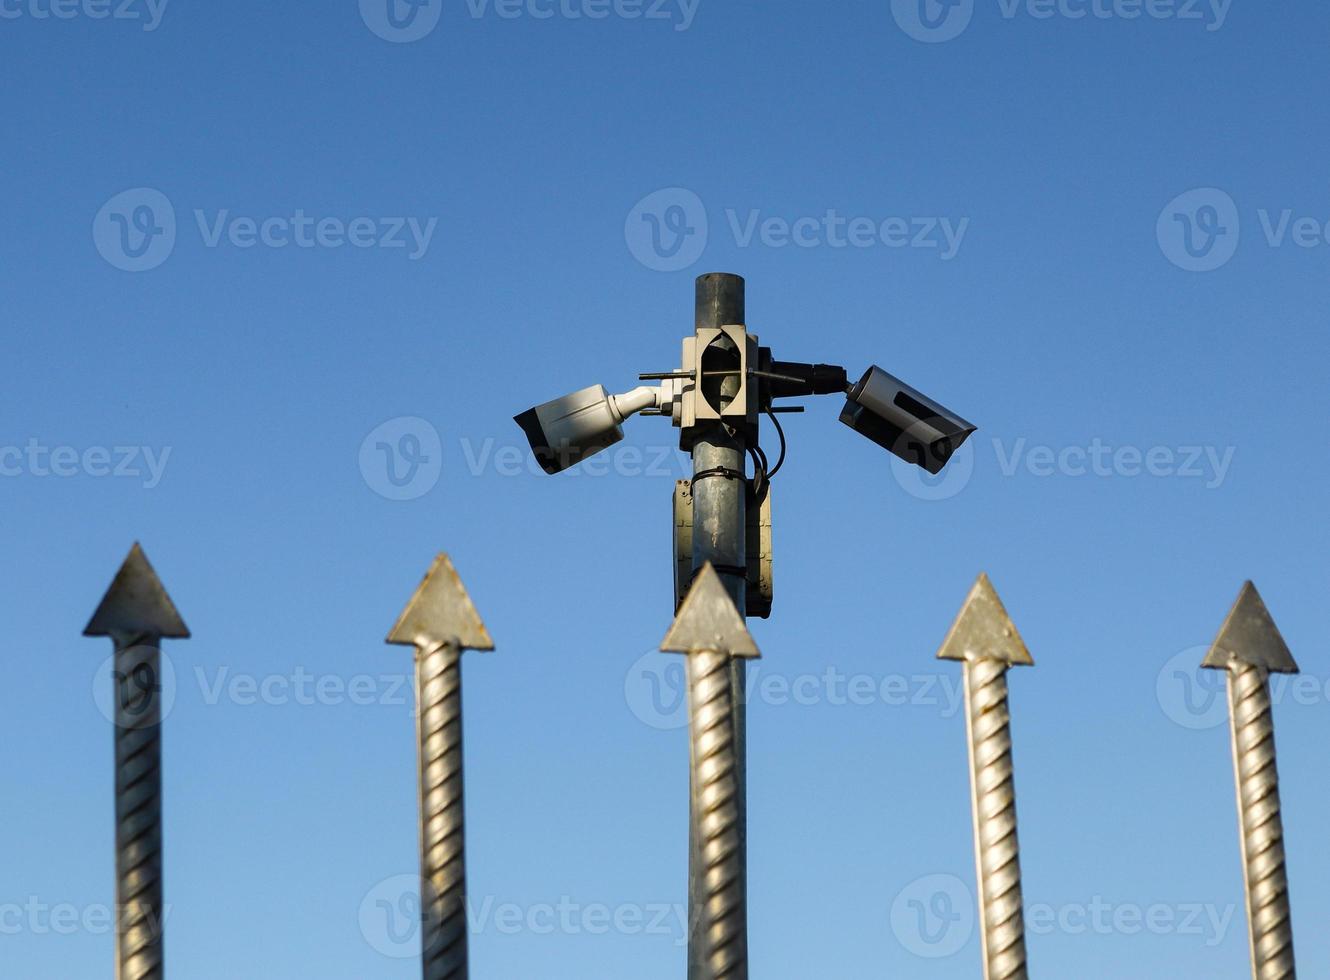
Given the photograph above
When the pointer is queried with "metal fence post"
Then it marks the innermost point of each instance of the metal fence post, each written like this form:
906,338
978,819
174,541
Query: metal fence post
719,527
1249,648
440,622
985,640
709,629
136,613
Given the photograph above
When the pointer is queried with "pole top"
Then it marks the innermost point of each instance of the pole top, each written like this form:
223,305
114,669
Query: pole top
136,604
984,631
1249,636
709,622
441,612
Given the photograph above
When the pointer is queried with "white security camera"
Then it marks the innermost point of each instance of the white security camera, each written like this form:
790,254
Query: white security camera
567,430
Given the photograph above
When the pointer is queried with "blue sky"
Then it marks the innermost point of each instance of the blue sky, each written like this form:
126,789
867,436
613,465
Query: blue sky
248,243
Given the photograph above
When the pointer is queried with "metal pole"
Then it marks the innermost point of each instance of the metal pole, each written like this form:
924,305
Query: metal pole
719,538
721,924
440,622
442,828
709,629
986,641
997,851
1262,827
138,809
1249,648
136,613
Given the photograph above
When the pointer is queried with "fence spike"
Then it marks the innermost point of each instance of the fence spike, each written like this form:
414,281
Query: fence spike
136,613
984,638
1249,648
440,622
709,629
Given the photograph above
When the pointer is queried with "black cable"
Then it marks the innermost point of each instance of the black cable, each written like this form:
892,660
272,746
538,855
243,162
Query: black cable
760,479
780,460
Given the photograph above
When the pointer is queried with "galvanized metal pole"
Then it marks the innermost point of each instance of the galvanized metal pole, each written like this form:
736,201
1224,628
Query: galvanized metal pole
710,630
138,809
986,641
719,538
1249,648
440,622
137,613
442,824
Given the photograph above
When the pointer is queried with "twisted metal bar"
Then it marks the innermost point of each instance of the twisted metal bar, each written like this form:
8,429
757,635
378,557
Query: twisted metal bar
140,921
442,836
997,851
723,911
1268,915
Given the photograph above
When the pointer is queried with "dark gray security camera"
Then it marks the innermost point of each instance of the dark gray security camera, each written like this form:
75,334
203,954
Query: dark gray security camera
905,421
567,430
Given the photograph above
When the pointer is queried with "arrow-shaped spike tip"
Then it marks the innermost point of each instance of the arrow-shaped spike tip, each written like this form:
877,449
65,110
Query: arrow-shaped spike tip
984,631
1249,636
441,612
136,604
708,621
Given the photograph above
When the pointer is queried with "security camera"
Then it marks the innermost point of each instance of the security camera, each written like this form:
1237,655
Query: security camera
906,422
567,430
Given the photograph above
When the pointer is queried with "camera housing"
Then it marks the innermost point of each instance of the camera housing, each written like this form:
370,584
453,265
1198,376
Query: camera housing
903,420
567,430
